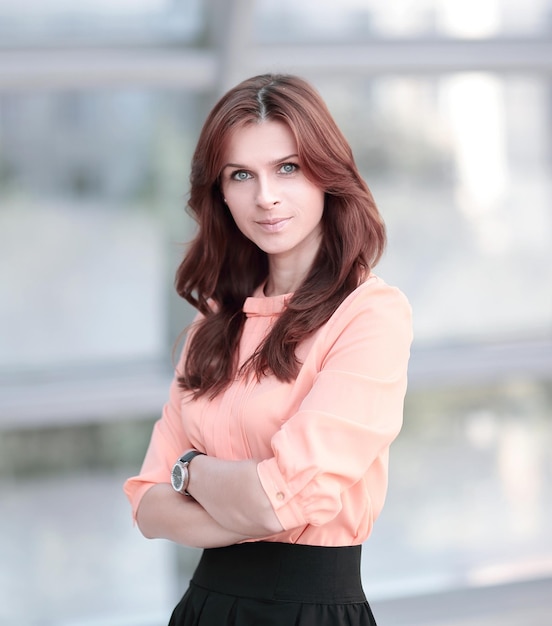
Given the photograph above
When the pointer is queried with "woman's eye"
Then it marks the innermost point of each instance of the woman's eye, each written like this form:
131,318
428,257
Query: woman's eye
288,168
240,175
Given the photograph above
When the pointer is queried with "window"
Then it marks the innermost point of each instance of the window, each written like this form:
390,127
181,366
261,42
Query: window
447,106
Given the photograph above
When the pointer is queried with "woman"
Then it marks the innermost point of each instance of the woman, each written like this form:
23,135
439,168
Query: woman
290,387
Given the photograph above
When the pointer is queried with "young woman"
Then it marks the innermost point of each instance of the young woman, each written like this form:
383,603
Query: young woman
290,387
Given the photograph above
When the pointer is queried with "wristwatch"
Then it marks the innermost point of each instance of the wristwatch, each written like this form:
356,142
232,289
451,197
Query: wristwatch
180,476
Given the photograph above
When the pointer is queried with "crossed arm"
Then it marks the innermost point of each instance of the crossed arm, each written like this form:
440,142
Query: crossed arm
350,414
228,506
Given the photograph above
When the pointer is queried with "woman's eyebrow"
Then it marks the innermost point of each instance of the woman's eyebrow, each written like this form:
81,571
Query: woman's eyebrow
274,162
289,156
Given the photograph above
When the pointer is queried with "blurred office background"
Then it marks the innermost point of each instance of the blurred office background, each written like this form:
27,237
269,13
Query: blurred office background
448,107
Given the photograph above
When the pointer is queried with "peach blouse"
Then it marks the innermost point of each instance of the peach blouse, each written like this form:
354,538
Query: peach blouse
322,440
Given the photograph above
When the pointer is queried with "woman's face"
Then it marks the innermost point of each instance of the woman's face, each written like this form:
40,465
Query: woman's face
271,200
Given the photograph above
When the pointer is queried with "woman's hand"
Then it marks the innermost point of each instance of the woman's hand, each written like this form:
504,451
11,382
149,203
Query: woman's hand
165,514
231,493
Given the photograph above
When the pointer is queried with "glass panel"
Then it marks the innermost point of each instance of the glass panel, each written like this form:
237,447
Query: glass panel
87,178
470,503
459,165
35,22
470,498
350,20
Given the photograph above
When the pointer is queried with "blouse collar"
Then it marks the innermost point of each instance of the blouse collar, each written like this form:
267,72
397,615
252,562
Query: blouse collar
260,305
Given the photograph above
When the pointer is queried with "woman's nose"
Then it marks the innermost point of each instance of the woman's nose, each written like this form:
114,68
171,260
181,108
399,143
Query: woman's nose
267,194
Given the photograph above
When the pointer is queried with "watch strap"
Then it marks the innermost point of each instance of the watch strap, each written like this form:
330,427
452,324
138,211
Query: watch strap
188,456
186,459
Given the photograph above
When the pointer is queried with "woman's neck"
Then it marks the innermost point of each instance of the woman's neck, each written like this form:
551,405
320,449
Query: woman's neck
281,282
287,272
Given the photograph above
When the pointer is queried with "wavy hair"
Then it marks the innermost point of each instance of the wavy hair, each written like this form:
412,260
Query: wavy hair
222,267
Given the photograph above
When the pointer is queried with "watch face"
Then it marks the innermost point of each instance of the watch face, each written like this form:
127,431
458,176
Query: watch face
177,477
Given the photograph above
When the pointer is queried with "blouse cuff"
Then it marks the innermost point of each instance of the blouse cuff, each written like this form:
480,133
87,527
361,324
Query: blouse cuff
135,489
277,490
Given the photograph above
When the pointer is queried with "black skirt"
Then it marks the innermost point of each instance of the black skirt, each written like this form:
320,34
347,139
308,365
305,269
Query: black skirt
275,584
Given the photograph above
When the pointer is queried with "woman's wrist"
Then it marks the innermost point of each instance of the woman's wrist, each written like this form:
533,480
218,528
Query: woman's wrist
180,473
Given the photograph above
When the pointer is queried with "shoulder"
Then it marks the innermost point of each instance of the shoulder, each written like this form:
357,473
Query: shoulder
187,336
373,294
372,304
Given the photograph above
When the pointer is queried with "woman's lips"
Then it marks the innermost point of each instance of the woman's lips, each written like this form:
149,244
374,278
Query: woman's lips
274,225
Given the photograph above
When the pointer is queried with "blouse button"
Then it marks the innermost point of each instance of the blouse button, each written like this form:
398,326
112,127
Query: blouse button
280,496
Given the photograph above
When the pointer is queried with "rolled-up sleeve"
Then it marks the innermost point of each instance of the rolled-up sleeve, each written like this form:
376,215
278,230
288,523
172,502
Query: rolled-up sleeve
168,441
350,415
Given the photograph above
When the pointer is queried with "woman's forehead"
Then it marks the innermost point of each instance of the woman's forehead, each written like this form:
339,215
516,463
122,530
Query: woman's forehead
263,142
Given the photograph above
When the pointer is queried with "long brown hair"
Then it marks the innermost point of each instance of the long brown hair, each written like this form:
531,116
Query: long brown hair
224,267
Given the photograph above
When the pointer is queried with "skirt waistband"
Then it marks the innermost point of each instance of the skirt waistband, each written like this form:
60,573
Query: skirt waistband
283,572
